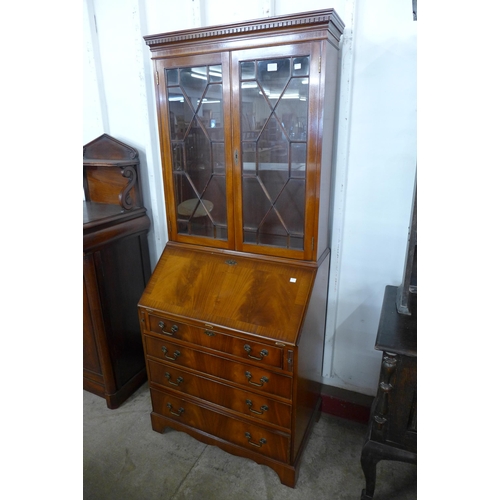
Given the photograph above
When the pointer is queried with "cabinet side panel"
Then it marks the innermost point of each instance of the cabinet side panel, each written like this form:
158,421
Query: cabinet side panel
328,146
310,356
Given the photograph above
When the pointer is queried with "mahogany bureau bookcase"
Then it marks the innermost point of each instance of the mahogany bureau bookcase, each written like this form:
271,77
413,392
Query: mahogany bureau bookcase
233,316
116,268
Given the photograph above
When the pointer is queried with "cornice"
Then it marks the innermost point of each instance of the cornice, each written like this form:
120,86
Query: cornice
327,18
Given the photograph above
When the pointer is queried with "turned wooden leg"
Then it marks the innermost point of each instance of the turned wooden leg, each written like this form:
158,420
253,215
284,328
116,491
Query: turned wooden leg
371,454
369,461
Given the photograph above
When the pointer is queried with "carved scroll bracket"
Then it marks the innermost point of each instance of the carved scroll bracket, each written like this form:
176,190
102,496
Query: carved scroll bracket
125,199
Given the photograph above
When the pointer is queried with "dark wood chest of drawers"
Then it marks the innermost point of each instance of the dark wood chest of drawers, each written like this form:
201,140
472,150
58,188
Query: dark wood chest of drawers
233,347
392,433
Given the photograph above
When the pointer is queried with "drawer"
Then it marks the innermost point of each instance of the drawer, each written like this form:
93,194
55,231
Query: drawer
249,376
212,339
249,436
244,402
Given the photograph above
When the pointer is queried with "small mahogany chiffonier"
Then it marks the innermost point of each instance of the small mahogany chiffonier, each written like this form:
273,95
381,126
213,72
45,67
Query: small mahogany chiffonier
116,268
233,316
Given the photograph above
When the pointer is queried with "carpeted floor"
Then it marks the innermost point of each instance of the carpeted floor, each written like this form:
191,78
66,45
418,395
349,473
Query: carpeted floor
124,459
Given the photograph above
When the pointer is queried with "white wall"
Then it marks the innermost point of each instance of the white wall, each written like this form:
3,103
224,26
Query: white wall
381,164
376,154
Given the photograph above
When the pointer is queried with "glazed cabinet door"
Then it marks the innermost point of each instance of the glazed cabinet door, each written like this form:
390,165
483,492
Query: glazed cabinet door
194,106
275,128
240,144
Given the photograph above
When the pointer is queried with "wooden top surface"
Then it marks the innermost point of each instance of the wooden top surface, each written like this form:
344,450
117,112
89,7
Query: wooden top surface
397,332
98,215
235,292
93,211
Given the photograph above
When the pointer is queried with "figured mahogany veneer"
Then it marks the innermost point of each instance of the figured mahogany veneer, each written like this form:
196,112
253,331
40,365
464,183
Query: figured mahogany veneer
206,357
233,317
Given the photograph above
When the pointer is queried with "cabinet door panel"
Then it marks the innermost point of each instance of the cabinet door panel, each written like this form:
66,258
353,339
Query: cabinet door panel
194,121
273,132
91,360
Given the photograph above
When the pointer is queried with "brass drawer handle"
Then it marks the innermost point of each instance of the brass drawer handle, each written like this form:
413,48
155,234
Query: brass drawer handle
264,408
174,328
263,353
259,444
165,351
179,380
248,375
181,410
209,333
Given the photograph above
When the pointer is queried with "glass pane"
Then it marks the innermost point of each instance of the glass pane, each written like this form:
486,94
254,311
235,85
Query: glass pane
216,195
172,77
255,111
298,160
249,158
215,74
273,76
300,66
274,114
198,150
290,204
180,112
178,157
255,203
219,158
198,157
292,109
248,70
212,112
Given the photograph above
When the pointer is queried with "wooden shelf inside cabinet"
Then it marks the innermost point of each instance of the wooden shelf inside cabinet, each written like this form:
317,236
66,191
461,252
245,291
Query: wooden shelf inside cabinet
116,268
233,317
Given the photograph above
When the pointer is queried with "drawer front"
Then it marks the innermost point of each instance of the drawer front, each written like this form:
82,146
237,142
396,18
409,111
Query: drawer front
249,376
245,349
249,436
244,402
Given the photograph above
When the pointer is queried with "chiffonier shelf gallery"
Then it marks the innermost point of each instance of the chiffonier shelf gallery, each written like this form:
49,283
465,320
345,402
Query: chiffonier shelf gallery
233,316
116,268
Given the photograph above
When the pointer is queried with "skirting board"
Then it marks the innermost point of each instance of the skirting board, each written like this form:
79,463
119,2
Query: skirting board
346,404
